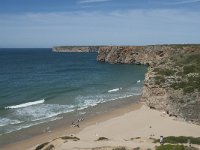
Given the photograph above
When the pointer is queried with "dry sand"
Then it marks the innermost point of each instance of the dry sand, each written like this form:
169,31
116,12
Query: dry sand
122,128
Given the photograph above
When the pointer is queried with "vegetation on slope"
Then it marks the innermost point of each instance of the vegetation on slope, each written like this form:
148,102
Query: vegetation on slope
184,70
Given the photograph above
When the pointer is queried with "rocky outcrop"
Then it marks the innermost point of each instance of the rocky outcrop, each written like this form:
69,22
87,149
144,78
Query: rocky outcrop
172,82
149,55
76,49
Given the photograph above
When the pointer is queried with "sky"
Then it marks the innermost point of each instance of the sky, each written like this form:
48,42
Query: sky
48,23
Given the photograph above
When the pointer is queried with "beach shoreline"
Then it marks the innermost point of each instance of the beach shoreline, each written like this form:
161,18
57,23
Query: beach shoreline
57,128
132,125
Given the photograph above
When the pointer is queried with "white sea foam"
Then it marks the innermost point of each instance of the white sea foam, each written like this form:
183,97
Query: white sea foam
33,115
93,100
114,90
25,104
7,121
44,111
30,124
37,114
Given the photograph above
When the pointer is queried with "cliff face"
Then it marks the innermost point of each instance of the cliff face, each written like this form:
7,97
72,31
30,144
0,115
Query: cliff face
149,55
76,49
172,82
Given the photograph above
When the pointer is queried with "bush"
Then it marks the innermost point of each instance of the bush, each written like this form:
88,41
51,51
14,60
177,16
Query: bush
188,89
164,72
181,139
187,86
102,139
187,72
187,59
39,147
119,148
50,147
170,147
70,138
190,69
159,79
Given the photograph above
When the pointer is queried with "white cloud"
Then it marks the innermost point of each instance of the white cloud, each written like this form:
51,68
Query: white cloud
182,2
130,27
91,1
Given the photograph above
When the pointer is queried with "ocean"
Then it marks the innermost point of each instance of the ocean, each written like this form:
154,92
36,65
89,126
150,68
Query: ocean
37,85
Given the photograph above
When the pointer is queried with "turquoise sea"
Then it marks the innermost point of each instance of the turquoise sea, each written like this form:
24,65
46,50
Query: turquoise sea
36,85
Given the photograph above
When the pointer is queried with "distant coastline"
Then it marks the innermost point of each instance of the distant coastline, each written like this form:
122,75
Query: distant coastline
76,48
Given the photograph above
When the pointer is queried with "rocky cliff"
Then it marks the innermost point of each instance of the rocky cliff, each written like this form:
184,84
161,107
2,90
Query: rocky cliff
76,49
172,82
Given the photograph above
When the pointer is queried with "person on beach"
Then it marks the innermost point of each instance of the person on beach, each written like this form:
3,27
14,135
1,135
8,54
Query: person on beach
81,119
189,143
161,140
75,124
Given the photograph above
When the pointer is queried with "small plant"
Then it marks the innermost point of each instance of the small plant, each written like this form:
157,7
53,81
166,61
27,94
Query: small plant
39,147
70,138
50,147
188,86
159,80
164,72
137,148
102,139
136,138
188,89
170,147
119,148
190,69
181,139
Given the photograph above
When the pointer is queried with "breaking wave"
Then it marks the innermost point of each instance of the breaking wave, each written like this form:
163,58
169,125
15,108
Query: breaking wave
114,90
25,104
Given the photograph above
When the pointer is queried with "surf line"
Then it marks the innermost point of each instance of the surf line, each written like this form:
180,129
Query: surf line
25,104
114,90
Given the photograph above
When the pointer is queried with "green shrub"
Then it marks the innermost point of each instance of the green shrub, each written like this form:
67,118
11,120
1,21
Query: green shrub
70,138
119,148
187,59
190,69
186,64
170,147
136,138
181,139
50,147
164,72
178,85
180,73
159,79
188,89
137,148
39,147
102,139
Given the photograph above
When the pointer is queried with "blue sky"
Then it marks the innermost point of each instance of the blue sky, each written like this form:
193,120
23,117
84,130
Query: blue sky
48,23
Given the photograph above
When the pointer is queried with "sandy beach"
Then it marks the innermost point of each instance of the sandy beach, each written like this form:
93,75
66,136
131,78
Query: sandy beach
131,126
